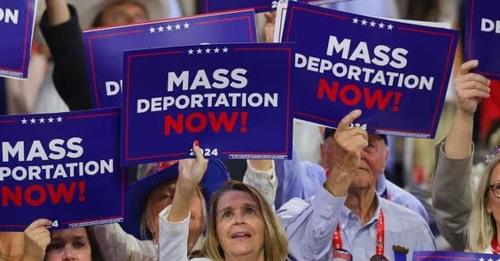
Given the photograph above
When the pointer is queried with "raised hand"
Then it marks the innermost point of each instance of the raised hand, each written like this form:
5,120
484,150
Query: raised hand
37,238
348,144
191,171
470,88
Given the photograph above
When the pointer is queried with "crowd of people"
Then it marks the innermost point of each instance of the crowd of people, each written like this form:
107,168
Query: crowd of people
342,208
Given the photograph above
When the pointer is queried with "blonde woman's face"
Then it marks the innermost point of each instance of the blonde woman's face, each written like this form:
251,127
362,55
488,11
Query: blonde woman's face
494,200
239,225
69,244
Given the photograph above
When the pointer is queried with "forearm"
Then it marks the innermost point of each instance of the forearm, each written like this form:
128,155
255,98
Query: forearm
57,11
452,196
338,182
181,203
33,252
261,175
70,75
116,244
459,140
310,227
173,237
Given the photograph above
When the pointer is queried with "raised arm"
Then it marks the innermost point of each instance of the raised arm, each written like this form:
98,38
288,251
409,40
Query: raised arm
451,191
174,222
310,225
261,175
36,240
63,34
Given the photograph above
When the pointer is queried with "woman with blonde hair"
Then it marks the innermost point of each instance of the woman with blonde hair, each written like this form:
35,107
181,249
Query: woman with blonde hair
483,230
452,190
241,223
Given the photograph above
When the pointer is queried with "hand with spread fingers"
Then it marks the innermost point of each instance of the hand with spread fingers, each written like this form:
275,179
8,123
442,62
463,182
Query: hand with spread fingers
348,144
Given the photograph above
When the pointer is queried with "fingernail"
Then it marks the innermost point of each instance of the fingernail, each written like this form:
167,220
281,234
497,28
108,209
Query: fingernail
196,143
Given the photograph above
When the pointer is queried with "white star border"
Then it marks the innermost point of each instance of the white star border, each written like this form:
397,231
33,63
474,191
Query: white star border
40,120
372,23
207,50
169,27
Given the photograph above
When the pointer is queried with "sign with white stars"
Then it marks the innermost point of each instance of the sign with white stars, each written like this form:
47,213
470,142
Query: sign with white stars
226,96
16,24
56,166
447,256
482,36
396,73
105,47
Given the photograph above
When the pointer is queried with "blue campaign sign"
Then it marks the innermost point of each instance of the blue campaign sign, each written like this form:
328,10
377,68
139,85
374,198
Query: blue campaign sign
396,73
257,5
482,36
447,256
233,98
16,25
56,166
105,47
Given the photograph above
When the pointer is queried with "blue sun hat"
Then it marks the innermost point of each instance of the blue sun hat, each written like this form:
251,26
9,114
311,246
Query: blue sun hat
137,194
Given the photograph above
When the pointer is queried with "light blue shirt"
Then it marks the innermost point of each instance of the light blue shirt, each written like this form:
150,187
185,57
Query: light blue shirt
303,179
310,226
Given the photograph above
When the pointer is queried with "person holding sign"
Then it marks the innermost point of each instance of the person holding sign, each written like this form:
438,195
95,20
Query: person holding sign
67,244
27,246
455,208
303,179
60,21
346,219
241,223
37,243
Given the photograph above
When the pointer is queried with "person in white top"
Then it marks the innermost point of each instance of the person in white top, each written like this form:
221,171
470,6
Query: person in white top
241,223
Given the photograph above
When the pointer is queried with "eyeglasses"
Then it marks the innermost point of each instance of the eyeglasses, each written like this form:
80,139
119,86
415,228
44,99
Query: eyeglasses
495,188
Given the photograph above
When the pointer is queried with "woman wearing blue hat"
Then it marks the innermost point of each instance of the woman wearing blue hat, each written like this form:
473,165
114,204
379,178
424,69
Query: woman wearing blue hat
137,238
241,223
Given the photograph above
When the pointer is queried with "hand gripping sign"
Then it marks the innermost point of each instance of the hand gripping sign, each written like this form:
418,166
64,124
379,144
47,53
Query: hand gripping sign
396,73
57,166
16,26
482,36
105,47
233,98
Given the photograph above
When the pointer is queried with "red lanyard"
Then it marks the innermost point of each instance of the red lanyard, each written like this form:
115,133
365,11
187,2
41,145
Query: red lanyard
494,245
379,247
